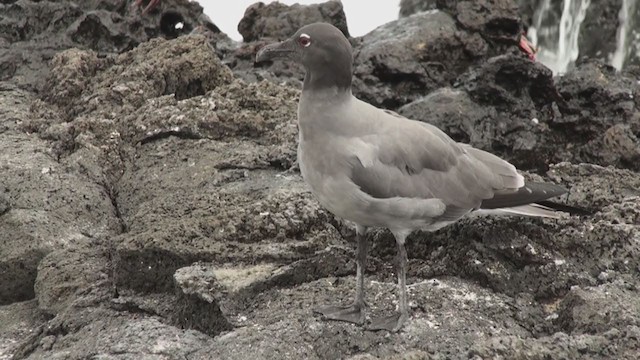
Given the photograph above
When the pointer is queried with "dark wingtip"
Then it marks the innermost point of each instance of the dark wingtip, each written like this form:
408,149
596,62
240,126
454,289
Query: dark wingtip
531,192
573,210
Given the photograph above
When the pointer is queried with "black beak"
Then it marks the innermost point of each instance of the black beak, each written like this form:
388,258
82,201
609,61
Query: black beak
284,49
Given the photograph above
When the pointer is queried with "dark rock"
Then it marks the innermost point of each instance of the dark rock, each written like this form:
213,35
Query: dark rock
494,19
66,275
279,21
152,191
407,58
512,106
602,99
621,145
546,257
409,7
598,309
242,62
262,24
5,206
599,29
34,31
197,309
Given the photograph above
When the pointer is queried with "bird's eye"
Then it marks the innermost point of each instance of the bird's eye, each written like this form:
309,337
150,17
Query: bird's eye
304,40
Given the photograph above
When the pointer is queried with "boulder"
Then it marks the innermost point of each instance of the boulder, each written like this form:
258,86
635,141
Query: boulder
279,21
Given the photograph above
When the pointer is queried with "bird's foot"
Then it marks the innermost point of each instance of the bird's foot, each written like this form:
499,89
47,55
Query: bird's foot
353,313
392,323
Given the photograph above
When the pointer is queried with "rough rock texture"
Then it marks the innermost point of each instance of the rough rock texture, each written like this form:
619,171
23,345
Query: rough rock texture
513,106
31,32
262,24
409,7
151,208
599,30
493,19
279,21
403,60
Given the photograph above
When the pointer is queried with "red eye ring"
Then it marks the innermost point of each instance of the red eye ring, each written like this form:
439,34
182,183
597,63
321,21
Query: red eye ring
304,40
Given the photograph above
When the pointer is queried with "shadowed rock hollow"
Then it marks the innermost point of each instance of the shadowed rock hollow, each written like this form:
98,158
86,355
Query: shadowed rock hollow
151,207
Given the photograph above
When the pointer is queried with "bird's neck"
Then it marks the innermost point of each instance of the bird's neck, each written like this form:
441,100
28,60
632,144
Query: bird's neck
319,110
338,79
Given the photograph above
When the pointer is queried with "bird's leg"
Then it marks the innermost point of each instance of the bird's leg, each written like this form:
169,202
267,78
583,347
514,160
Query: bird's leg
396,321
354,313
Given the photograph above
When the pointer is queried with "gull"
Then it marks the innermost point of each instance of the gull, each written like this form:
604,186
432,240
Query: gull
378,169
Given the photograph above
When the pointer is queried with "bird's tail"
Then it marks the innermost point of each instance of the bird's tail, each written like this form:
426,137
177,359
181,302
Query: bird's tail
548,209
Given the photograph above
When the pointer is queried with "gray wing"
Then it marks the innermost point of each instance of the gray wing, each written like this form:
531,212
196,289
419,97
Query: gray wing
411,159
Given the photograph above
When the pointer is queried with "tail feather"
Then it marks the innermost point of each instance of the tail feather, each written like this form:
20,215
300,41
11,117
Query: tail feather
547,209
531,192
534,209
573,210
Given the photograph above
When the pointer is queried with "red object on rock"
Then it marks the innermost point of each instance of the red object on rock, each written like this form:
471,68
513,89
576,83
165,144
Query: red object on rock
527,47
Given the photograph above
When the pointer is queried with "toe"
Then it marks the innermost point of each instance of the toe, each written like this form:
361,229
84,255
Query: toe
392,323
353,314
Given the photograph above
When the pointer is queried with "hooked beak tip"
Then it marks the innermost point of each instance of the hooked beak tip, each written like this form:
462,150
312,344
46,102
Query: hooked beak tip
272,51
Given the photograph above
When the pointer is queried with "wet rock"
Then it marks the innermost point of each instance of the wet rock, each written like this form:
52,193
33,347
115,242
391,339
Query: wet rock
602,100
599,29
279,21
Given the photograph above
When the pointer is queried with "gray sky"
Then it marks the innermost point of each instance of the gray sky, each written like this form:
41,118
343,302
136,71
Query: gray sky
362,15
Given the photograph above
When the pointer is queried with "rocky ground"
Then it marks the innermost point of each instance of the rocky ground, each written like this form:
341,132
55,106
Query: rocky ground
150,206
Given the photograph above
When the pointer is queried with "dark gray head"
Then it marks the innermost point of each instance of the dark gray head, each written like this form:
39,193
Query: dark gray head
324,52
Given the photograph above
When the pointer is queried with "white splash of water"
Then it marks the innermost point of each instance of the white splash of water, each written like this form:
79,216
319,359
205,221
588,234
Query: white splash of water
617,59
557,41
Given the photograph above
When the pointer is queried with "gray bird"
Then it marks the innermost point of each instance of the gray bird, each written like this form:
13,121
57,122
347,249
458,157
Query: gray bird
376,168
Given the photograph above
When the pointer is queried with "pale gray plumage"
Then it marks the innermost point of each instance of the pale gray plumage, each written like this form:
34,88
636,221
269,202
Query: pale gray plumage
377,168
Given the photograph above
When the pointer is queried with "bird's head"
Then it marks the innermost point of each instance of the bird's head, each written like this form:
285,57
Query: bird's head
322,49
